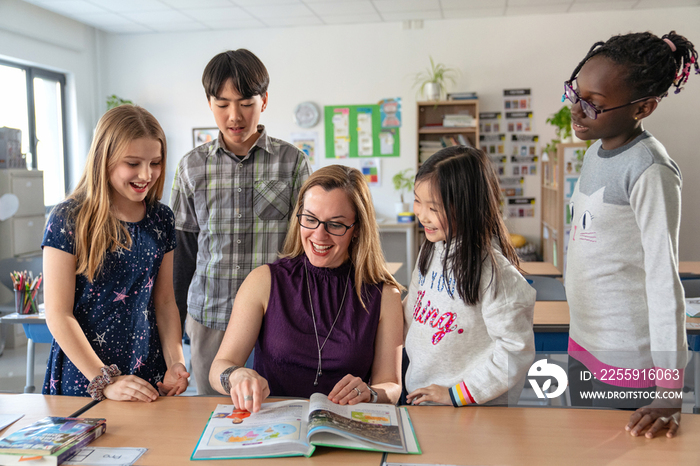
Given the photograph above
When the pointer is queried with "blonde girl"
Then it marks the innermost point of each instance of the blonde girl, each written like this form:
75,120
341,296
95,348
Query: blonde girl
108,255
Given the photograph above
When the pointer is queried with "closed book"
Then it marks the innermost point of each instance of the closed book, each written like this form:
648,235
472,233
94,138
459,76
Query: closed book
47,436
57,457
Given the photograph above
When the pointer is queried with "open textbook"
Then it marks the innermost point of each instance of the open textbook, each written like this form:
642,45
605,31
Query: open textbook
296,427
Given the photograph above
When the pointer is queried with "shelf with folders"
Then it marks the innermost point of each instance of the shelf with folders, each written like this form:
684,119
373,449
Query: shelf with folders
446,123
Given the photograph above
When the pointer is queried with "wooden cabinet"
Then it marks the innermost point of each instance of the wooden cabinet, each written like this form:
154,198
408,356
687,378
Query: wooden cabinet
432,132
560,172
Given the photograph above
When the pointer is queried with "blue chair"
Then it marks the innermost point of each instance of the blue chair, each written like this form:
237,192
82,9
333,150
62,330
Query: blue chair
548,288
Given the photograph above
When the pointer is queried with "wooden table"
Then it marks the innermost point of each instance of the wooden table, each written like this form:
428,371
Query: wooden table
689,268
35,407
545,269
542,436
553,316
171,427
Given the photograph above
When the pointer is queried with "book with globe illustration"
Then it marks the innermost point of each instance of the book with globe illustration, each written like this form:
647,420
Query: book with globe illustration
297,427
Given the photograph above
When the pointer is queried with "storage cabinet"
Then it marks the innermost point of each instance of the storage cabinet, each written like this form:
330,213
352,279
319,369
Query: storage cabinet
432,132
560,172
21,235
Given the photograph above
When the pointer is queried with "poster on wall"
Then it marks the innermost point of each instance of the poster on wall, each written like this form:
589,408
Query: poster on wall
356,131
516,99
371,170
390,112
521,207
307,142
203,135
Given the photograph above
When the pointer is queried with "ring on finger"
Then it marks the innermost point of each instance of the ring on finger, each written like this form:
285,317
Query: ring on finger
675,418
248,398
359,392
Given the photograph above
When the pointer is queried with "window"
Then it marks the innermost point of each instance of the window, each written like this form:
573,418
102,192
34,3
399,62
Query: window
33,101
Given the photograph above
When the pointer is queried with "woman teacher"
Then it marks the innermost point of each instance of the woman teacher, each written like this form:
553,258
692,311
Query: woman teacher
327,316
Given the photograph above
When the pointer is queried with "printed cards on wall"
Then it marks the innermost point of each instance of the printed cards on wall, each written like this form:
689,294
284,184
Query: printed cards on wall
307,142
371,171
358,131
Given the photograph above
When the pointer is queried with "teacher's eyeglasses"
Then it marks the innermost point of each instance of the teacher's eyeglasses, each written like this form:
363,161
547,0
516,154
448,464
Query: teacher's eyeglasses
333,228
590,110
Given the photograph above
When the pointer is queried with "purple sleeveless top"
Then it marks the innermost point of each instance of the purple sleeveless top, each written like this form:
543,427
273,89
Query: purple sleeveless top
286,353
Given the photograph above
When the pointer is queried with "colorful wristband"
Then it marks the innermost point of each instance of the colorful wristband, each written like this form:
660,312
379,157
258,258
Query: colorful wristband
460,395
98,384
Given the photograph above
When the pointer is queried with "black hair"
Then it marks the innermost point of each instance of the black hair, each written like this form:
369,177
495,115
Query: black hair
653,64
468,188
245,70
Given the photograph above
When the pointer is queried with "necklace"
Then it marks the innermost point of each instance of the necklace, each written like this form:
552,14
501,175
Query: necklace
320,346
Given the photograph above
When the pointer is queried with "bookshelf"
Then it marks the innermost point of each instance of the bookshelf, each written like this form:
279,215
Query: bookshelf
433,133
559,175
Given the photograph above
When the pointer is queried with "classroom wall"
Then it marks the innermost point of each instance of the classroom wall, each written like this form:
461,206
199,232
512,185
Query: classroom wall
355,64
33,36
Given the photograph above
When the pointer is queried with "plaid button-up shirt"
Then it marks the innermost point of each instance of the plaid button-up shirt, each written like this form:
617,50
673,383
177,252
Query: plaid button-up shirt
240,210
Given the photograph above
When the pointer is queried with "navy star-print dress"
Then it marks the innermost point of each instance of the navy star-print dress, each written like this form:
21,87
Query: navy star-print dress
116,311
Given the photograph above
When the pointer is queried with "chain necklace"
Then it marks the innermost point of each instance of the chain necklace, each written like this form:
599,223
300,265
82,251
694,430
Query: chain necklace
320,346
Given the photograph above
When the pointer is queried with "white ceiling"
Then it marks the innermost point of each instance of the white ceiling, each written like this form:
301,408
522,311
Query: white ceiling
153,16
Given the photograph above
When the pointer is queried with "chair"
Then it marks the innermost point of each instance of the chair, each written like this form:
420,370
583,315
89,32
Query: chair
691,287
548,288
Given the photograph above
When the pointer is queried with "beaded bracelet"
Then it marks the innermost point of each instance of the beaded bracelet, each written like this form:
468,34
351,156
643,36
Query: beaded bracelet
98,384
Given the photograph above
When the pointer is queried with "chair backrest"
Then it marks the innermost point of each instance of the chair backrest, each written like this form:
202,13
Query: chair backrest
691,287
11,264
548,288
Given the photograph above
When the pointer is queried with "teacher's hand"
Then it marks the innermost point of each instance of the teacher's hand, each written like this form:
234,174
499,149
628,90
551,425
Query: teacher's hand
248,389
350,390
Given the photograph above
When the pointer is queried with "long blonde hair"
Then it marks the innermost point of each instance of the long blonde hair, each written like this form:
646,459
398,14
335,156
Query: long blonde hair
96,228
366,250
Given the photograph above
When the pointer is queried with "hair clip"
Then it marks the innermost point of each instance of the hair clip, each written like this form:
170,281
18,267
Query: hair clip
563,97
670,44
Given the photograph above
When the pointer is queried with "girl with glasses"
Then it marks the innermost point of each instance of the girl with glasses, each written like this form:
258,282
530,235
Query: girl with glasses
324,318
625,297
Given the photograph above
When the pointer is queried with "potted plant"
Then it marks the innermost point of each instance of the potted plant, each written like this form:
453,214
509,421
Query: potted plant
562,127
115,101
433,80
403,182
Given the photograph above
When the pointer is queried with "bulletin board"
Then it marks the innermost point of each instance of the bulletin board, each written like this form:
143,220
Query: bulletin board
356,131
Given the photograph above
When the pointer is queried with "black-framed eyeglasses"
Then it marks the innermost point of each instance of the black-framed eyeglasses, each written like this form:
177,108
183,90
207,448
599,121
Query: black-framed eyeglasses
333,228
590,110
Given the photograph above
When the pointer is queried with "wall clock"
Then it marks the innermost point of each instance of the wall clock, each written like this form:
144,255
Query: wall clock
306,114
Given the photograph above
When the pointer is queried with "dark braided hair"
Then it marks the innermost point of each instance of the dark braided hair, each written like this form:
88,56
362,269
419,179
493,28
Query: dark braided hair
652,63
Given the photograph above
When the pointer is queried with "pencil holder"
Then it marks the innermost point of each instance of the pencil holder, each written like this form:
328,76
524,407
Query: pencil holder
25,302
